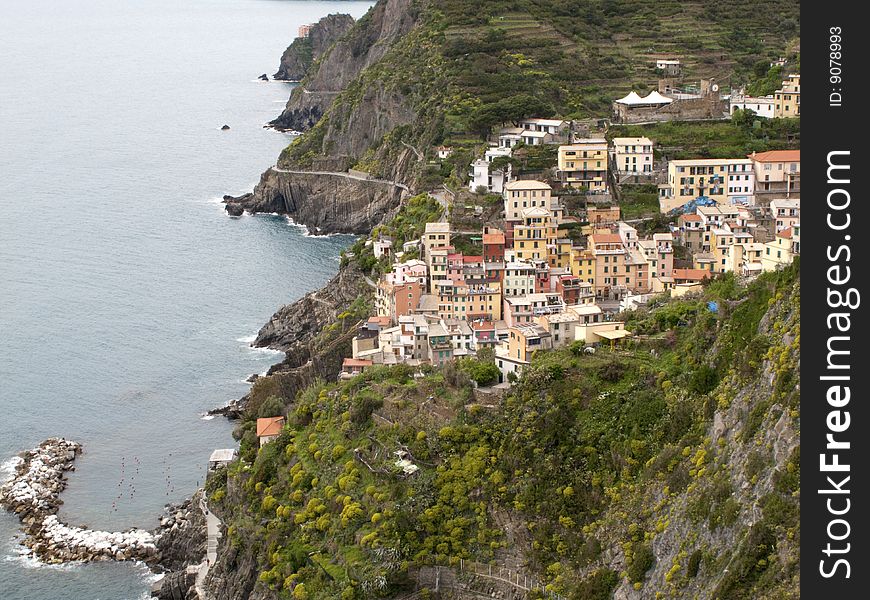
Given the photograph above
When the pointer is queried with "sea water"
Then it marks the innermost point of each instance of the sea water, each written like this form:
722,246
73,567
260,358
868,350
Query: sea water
128,297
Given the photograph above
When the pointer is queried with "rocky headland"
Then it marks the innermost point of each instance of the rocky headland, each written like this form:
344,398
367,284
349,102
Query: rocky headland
296,330
323,202
299,56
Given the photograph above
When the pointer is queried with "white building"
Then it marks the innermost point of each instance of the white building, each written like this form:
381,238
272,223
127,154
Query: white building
741,182
482,173
551,126
633,154
383,248
763,106
785,213
519,279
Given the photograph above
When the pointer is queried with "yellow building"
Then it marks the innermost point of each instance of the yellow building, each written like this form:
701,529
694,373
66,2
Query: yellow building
524,339
458,300
537,231
583,265
689,179
787,100
584,163
560,254
778,253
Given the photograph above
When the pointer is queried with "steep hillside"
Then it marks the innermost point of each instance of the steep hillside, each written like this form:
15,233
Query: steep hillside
666,469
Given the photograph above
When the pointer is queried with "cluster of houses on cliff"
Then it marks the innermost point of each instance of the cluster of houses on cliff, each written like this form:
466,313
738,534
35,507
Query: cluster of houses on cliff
544,278
528,288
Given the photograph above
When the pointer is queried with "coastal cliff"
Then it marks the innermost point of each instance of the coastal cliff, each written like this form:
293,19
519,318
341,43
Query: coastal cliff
665,469
315,334
304,51
338,66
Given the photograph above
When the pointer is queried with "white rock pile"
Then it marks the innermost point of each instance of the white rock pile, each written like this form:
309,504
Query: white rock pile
33,493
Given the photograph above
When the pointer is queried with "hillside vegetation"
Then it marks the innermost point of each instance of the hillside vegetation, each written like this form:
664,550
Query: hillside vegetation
668,468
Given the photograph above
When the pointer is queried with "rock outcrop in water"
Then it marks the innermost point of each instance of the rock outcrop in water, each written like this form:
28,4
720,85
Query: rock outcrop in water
301,54
33,493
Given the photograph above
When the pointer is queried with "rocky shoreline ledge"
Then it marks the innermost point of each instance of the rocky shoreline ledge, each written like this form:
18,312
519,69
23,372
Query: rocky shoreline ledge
33,493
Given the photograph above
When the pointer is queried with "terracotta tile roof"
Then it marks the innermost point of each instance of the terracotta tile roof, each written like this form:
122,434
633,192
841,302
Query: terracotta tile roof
269,426
691,274
356,362
785,233
776,156
493,238
605,238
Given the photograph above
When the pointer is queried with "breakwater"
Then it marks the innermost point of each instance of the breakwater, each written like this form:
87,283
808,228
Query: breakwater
33,494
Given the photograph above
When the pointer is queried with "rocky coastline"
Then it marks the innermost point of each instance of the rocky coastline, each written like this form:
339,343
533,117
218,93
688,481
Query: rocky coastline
294,330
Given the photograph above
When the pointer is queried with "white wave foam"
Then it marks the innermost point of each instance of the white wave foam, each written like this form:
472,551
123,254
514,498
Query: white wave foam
247,339
25,559
206,417
305,231
264,350
7,468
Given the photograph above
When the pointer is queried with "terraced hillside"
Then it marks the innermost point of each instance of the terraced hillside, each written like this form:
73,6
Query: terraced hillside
579,53
426,72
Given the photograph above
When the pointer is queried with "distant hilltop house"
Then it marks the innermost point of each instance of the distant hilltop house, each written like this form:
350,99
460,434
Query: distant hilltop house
669,67
534,132
670,103
304,31
443,151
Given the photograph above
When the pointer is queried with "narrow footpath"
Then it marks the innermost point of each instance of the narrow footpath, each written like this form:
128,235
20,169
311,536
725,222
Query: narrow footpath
213,527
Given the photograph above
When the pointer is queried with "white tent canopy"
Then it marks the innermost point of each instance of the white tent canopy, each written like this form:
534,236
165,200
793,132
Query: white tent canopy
632,99
656,98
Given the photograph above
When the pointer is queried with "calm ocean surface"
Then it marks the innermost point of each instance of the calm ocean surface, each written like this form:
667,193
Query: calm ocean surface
127,296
